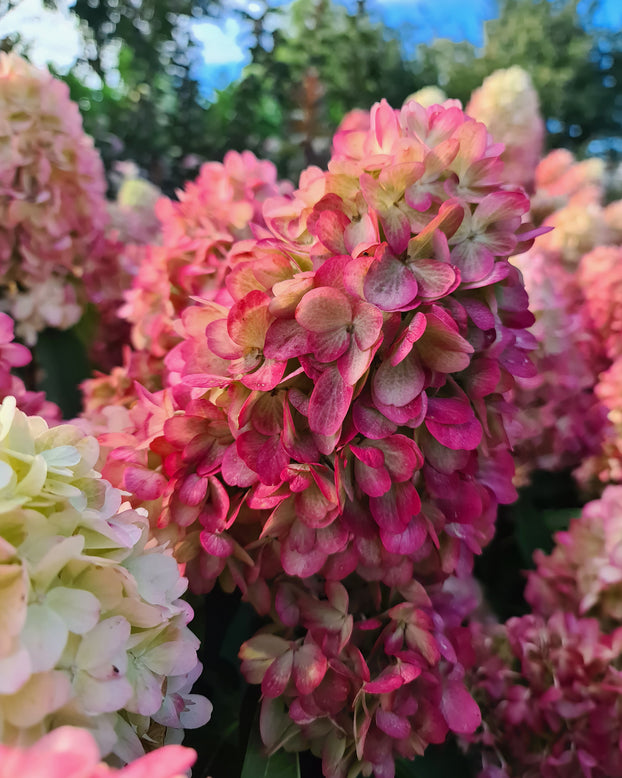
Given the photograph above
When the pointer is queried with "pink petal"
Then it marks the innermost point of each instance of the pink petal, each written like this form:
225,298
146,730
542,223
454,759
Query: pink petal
394,510
400,384
459,709
329,403
323,310
310,667
389,284
277,675
435,279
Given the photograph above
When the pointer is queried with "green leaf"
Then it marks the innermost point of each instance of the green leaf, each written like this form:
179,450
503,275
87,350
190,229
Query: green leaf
258,765
557,519
62,360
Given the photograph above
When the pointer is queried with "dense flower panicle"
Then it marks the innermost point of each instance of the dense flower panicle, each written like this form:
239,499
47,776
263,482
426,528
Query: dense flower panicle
605,465
427,96
16,355
508,105
559,178
93,631
600,279
561,419
335,411
549,693
52,189
70,752
198,231
583,574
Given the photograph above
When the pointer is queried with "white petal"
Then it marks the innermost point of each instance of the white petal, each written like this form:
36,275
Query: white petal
44,637
77,608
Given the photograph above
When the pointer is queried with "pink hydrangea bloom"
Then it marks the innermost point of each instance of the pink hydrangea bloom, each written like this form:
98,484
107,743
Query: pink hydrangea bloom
198,231
600,279
561,420
508,105
334,411
69,752
52,187
583,574
549,693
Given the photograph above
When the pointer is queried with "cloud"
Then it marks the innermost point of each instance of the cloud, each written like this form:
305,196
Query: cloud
220,46
51,36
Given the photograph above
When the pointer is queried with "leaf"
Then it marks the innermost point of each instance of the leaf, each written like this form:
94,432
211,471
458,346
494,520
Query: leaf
62,357
258,765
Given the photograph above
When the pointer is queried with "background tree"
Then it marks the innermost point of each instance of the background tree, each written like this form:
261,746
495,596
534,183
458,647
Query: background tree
575,66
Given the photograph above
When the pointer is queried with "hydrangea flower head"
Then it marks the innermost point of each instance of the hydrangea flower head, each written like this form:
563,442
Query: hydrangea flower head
52,206
549,692
508,105
334,413
583,574
93,630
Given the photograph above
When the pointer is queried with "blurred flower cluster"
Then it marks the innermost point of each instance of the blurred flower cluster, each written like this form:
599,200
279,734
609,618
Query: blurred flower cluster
69,752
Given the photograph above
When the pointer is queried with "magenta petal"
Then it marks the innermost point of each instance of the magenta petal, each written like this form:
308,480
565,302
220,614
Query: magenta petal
235,471
435,279
216,544
374,481
399,384
474,260
329,402
392,725
408,540
459,709
394,510
264,455
370,422
458,437
301,564
146,484
396,229
353,364
277,675
285,339
367,322
329,346
265,377
389,284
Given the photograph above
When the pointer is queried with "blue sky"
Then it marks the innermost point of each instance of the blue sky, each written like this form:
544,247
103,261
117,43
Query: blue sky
55,37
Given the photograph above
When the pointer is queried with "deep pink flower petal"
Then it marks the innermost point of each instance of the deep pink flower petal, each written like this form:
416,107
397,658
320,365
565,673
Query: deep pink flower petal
460,709
329,402
434,279
465,436
396,727
310,667
394,510
277,675
329,346
285,339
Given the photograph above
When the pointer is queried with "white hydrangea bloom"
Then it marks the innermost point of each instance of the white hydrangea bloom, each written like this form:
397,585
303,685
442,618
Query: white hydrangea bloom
92,630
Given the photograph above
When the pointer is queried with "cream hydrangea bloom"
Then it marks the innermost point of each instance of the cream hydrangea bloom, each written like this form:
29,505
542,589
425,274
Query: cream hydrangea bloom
92,630
508,105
